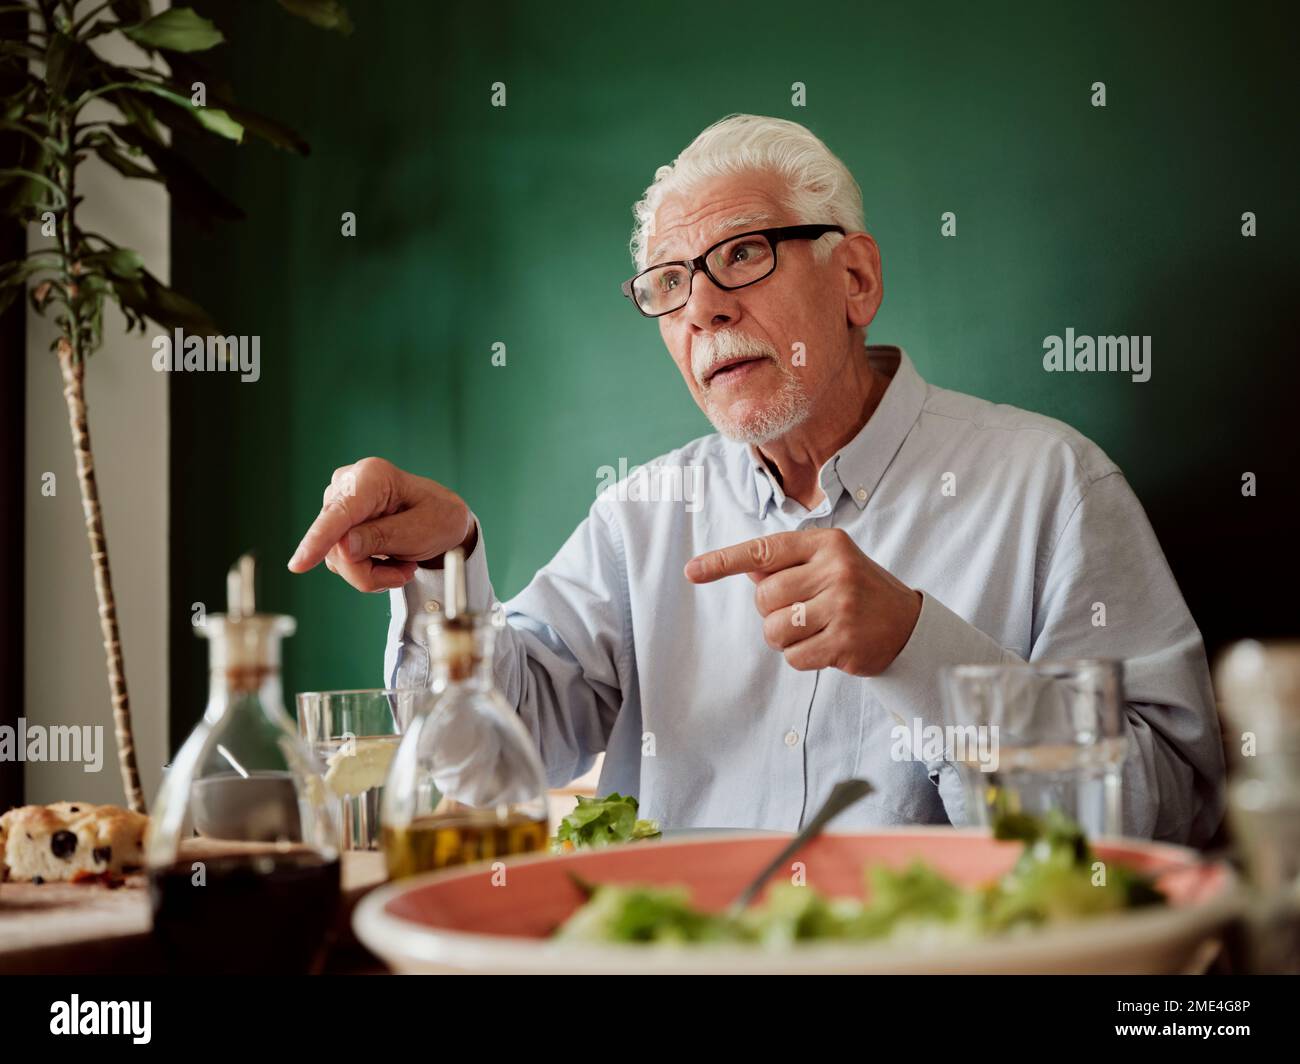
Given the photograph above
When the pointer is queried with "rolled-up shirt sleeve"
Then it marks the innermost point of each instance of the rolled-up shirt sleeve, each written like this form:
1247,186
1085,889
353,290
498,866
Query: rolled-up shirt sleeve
1106,591
567,688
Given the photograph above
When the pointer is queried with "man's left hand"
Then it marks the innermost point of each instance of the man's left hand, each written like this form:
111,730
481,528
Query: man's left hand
824,603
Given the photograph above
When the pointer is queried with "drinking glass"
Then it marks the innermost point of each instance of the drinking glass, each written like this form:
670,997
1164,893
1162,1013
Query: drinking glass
1026,738
355,735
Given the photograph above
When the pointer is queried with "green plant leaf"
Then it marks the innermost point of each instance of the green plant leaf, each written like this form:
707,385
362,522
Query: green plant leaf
58,63
191,192
122,163
72,68
327,14
121,263
178,29
18,103
32,132
187,69
136,111
22,49
15,274
268,129
149,298
91,289
22,189
131,10
94,324
213,119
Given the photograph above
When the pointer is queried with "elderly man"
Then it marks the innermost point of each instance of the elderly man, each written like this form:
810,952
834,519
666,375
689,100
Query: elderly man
855,530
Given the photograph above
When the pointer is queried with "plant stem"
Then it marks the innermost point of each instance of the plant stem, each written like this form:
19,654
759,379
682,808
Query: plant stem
72,363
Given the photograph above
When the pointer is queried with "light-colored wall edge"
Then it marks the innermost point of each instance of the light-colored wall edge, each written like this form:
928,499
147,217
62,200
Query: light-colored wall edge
126,402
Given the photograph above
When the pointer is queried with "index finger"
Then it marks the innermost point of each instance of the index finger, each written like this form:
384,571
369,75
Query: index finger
766,554
340,513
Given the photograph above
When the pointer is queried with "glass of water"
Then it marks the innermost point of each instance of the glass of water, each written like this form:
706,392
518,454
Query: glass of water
355,735
1027,738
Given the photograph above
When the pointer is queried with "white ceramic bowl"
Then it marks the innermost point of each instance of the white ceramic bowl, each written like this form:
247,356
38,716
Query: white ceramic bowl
495,918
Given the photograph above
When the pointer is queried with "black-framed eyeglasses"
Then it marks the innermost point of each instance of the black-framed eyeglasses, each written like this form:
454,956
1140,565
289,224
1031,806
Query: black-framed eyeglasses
735,262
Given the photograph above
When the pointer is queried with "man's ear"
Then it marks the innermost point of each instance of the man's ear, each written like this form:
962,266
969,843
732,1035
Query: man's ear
863,282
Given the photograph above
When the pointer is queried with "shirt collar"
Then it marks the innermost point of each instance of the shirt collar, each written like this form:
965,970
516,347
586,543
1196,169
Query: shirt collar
861,463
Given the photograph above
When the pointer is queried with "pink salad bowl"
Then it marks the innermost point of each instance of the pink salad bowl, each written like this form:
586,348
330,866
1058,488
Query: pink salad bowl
484,918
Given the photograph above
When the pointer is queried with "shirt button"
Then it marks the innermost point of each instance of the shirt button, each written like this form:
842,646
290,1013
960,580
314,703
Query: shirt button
432,606
860,494
792,738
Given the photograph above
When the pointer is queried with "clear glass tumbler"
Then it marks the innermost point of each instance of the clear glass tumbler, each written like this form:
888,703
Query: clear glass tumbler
355,735
1027,738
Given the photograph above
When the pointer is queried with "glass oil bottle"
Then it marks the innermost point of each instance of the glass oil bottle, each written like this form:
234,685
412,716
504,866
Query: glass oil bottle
467,783
243,845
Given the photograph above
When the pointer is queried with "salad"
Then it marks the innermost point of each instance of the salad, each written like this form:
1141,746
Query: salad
1057,878
602,822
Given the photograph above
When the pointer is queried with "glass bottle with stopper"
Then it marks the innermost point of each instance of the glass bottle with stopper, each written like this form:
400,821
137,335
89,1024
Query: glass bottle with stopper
467,783
1260,685
243,844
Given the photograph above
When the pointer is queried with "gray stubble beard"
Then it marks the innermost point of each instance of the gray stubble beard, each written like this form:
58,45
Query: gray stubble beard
786,410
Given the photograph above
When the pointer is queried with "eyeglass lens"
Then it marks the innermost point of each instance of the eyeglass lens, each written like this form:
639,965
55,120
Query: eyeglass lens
732,265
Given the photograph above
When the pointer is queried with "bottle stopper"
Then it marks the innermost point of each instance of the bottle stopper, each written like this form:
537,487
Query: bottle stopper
453,566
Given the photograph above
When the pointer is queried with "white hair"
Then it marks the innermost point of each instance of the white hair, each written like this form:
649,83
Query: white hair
821,189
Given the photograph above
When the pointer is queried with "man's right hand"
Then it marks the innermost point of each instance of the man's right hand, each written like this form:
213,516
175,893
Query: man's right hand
379,523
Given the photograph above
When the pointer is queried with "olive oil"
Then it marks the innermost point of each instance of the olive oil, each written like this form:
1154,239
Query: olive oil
462,837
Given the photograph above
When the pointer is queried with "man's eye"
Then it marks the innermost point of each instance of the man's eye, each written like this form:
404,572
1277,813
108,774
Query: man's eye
669,281
746,252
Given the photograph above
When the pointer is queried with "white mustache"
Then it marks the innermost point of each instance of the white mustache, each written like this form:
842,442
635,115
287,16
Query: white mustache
713,349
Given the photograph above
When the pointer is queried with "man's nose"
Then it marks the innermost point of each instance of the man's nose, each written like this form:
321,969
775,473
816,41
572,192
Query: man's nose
710,306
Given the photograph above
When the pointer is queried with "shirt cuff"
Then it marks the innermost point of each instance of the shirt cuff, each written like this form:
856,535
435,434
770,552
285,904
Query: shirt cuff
911,689
912,686
422,600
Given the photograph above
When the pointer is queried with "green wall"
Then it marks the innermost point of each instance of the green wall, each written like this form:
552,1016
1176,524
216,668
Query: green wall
479,224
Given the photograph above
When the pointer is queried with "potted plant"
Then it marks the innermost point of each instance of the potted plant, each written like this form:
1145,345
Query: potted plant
50,62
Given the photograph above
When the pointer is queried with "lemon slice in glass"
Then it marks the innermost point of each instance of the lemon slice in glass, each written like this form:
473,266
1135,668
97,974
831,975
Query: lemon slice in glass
358,766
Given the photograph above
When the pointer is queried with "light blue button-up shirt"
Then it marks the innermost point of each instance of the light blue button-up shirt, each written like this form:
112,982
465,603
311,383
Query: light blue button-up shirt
1011,524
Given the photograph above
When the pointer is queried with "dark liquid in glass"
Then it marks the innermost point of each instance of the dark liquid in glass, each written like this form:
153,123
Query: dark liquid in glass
250,914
